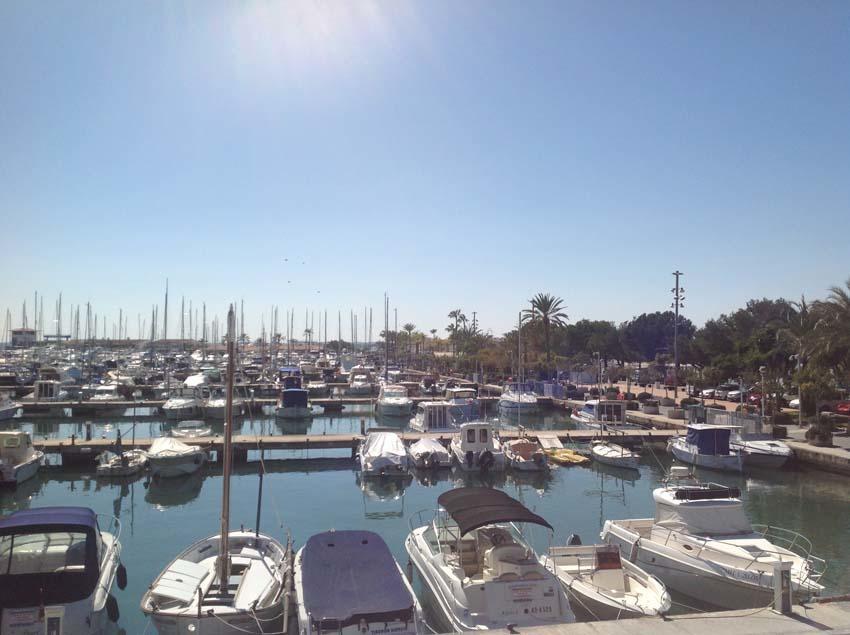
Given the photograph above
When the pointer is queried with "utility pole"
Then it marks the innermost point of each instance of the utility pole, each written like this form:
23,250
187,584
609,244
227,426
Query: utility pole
678,302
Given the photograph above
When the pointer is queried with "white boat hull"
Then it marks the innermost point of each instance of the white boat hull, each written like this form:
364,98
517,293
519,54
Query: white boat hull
499,461
174,466
180,412
8,412
293,412
626,460
393,409
13,475
722,462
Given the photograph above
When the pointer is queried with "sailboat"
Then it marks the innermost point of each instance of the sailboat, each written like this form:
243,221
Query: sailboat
189,596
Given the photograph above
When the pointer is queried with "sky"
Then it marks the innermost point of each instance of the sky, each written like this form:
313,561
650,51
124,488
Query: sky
316,155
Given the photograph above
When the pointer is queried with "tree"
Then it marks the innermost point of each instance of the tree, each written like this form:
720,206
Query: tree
458,316
546,310
648,334
831,332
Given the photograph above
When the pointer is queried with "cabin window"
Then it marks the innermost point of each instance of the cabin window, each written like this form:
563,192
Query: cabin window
470,436
42,553
430,537
482,435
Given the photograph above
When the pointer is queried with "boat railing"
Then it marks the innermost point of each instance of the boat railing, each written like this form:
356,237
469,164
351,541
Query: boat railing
113,525
795,542
419,519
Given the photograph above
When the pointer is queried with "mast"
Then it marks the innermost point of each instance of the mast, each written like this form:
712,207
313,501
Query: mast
224,552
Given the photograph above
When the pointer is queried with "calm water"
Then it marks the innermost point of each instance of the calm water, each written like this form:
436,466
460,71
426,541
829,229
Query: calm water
159,520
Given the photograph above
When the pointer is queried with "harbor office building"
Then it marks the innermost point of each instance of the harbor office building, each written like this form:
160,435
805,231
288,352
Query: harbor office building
23,338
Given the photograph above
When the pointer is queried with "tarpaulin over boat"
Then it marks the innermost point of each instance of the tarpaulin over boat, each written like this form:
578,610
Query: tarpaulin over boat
474,507
429,446
383,444
351,575
169,446
705,518
709,439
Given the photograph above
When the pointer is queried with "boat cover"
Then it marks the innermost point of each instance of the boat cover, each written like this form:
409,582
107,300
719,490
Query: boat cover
169,446
704,517
71,516
383,444
474,507
709,439
425,446
351,575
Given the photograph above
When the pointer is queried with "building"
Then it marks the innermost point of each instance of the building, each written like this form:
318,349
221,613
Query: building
23,338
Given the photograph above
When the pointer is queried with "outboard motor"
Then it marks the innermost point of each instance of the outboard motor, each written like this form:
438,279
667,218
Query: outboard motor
574,540
470,458
486,460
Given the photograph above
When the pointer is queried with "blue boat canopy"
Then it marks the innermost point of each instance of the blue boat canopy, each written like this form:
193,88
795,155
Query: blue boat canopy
348,576
50,516
295,397
709,439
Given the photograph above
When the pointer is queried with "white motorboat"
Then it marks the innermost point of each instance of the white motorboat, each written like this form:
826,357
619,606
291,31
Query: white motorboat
128,463
63,567
108,394
614,454
19,460
170,457
382,453
348,583
701,544
231,582
601,586
464,403
764,453
182,406
517,401
433,416
481,571
216,404
192,429
525,455
430,454
317,388
360,385
8,407
393,401
602,415
44,397
707,446
476,448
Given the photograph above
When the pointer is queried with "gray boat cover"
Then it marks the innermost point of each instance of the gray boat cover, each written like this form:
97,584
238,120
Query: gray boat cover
351,575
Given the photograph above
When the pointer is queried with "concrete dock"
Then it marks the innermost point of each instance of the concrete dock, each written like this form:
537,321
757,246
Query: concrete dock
813,618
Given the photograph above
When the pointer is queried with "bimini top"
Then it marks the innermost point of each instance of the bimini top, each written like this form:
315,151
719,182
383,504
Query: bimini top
351,575
45,516
474,507
710,439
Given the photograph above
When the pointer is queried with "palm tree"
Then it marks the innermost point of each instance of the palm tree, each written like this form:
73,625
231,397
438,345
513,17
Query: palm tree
458,316
409,328
546,310
832,328
433,333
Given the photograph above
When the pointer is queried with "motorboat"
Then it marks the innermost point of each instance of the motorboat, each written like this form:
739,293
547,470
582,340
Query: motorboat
701,544
428,386
8,407
182,405
476,448
382,453
191,429
45,397
393,401
560,455
433,416
317,389
475,561
707,445
602,415
230,582
19,460
188,593
127,463
293,403
59,570
609,453
764,453
108,394
360,384
170,457
525,455
215,405
517,401
464,402
347,582
430,454
601,586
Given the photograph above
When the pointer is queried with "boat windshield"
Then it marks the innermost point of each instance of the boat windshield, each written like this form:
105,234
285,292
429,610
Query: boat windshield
463,394
52,566
395,393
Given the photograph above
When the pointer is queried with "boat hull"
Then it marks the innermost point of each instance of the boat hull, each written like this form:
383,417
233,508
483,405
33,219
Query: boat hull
14,475
174,466
293,412
721,462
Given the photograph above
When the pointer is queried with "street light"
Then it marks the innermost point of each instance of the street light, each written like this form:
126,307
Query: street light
762,371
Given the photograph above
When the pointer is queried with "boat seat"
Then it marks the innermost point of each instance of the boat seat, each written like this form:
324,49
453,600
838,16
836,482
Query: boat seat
180,581
510,558
611,580
255,580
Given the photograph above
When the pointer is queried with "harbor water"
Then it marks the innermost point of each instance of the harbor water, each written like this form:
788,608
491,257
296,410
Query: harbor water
159,519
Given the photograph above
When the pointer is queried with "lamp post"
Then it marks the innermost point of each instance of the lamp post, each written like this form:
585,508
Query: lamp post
762,371
678,302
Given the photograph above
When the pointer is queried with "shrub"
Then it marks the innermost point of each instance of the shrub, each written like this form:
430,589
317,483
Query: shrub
783,419
594,392
629,395
716,406
643,396
689,401
632,405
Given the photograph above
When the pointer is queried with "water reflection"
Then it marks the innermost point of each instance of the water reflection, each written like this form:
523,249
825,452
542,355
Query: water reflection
173,492
383,498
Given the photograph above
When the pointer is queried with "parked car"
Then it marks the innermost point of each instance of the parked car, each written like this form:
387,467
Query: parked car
842,408
794,403
736,395
708,393
723,390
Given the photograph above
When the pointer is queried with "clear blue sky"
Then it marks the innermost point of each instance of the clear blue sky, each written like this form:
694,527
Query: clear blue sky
455,154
